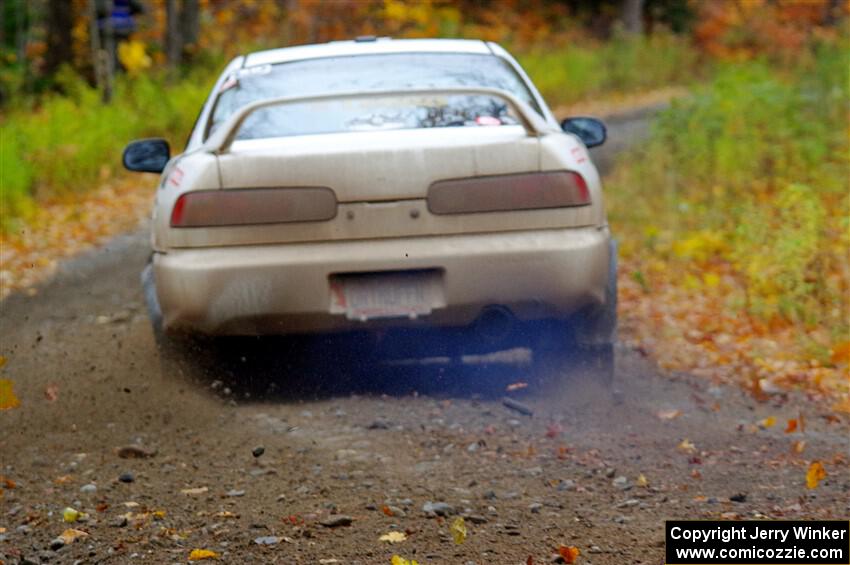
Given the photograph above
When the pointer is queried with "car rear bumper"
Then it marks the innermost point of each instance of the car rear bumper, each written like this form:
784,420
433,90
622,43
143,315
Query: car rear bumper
285,288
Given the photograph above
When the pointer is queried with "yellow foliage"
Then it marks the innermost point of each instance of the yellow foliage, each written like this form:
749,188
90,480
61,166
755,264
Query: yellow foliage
815,474
8,400
711,280
199,554
458,529
132,55
398,560
768,422
699,246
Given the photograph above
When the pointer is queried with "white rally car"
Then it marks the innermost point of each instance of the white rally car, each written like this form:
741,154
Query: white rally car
381,183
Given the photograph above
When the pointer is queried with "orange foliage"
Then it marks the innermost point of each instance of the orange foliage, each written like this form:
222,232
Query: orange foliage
744,29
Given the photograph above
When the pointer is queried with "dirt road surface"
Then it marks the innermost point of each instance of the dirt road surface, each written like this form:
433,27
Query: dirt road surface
353,448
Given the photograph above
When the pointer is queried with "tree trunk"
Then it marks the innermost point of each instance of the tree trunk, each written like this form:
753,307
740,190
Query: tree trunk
173,44
633,16
60,21
832,13
190,24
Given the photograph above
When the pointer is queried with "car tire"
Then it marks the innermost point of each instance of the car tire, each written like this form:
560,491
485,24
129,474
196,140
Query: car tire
179,355
586,341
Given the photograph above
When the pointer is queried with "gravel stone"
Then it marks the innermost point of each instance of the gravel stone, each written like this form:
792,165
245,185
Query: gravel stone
336,521
621,483
438,508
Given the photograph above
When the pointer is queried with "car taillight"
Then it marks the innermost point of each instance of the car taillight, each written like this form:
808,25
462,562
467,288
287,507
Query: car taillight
253,206
498,193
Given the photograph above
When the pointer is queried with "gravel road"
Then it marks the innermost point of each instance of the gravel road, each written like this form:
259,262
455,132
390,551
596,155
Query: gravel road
316,462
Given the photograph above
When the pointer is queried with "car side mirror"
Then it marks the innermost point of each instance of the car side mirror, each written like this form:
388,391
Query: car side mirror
147,155
590,130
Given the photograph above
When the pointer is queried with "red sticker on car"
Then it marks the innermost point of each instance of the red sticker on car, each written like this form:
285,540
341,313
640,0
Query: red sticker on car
579,154
176,177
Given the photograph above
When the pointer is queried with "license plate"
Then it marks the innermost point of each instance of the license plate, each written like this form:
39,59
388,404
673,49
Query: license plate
407,294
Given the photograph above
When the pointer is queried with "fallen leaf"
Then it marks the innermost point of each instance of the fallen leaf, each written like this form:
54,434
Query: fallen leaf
2,361
51,392
798,446
194,491
71,535
8,400
61,480
840,353
393,537
696,474
842,406
398,560
199,554
458,530
225,514
792,426
815,474
516,386
7,483
768,422
642,481
686,446
668,414
386,510
71,515
569,553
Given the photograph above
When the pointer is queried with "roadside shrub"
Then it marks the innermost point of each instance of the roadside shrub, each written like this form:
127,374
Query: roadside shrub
72,143
758,159
577,71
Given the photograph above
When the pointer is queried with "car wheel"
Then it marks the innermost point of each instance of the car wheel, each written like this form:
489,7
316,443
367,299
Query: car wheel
585,342
179,355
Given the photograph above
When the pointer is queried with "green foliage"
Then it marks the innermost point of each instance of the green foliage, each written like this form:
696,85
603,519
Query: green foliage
751,171
72,142
777,248
627,63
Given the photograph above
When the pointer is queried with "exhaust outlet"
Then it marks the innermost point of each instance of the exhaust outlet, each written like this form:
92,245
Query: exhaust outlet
495,323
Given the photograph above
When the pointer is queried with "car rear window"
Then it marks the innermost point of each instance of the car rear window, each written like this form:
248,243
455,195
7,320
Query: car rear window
364,73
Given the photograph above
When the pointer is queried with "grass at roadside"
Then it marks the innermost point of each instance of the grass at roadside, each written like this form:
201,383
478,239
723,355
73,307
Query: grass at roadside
735,218
71,144
583,71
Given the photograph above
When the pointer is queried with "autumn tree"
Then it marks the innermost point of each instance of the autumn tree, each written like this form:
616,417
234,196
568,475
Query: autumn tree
182,26
633,16
60,18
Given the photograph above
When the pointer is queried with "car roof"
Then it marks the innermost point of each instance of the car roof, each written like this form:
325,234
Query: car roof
370,46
